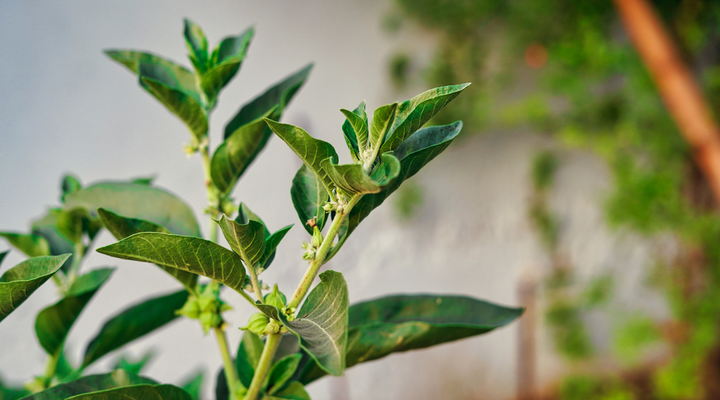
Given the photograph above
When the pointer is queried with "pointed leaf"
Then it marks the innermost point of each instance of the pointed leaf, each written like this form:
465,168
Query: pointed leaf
322,323
353,180
412,114
176,75
2,256
186,253
382,119
271,243
248,357
53,323
309,196
134,365
282,371
294,391
31,245
359,124
310,150
197,45
19,282
69,185
247,240
134,322
230,55
136,392
193,385
184,105
122,227
91,383
133,200
235,154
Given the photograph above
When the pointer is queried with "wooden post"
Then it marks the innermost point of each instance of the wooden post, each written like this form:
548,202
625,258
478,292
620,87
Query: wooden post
526,340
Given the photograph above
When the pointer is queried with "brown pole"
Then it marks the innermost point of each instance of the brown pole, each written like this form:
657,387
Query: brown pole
681,95
526,340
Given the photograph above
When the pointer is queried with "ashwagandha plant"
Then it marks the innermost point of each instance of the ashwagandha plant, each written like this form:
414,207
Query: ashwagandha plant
306,336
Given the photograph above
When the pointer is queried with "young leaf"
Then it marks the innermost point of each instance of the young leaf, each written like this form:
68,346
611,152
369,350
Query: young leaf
136,392
132,200
69,185
353,180
322,323
308,197
31,245
247,240
359,124
412,114
91,383
193,385
19,282
235,154
133,323
281,372
271,243
349,131
248,357
177,75
134,365
407,322
122,227
310,150
185,253
382,119
197,45
2,256
293,391
225,64
53,323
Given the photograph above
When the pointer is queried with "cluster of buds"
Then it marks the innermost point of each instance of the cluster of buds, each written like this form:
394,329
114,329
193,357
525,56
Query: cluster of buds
194,146
312,248
248,286
339,205
227,206
207,307
259,323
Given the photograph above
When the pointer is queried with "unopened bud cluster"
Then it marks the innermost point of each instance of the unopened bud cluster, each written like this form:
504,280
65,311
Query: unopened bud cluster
339,205
259,323
312,247
207,307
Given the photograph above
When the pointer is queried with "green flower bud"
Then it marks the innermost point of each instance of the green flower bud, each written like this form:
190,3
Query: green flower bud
190,309
317,237
210,320
207,303
275,298
257,323
272,327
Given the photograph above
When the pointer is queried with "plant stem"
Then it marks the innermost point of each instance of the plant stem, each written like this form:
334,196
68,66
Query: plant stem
263,368
231,375
254,280
50,368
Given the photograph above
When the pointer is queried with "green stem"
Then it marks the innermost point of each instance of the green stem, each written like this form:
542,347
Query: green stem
263,368
50,368
231,375
254,280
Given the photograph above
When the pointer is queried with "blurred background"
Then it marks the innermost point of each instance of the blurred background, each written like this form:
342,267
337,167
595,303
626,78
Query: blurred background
571,190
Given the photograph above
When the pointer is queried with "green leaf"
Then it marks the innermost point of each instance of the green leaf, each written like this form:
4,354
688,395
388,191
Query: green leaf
353,180
271,243
349,131
53,323
294,391
137,392
193,385
282,371
381,123
134,365
50,228
412,114
358,137
322,323
407,322
132,323
122,227
2,256
248,357
247,240
235,154
310,150
91,383
31,245
12,393
186,253
308,197
197,45
20,281
225,64
132,200
174,74
69,185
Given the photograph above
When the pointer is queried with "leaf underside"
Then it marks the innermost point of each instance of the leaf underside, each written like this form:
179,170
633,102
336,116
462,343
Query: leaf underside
19,282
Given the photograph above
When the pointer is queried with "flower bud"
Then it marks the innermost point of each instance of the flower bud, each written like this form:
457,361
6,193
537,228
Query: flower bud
257,324
210,320
317,237
190,309
272,327
275,298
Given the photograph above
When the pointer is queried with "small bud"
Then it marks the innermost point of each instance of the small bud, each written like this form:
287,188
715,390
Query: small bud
190,309
207,303
275,298
210,320
272,327
257,323
312,222
317,237
330,206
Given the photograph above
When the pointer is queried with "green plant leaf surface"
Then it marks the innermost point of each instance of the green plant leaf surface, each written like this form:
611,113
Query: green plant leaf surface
357,135
271,244
322,323
122,227
308,196
382,121
193,385
53,323
176,75
184,105
407,322
31,245
195,255
310,150
353,180
412,114
137,392
293,391
20,281
197,45
247,240
132,200
91,383
132,323
2,256
282,371
248,357
226,62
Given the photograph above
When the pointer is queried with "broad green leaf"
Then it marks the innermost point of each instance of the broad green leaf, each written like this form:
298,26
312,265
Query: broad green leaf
193,385
235,154
310,150
185,105
136,392
197,45
66,223
91,383
248,357
358,122
69,185
122,227
271,244
353,180
322,322
407,322
282,371
53,323
186,253
31,245
132,200
308,197
412,114
278,95
8,392
56,242
247,240
382,119
134,322
176,75
418,150
293,391
225,64
20,281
